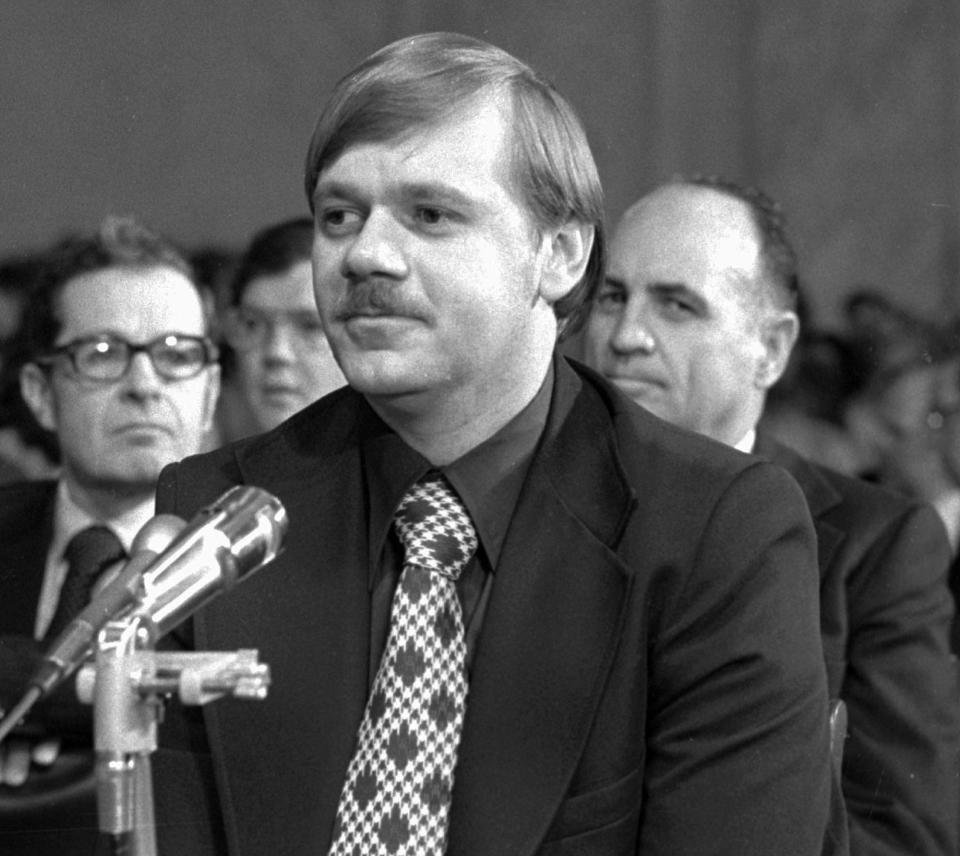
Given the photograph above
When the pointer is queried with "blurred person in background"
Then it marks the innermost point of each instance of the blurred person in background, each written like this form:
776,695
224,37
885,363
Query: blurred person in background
911,370
696,322
119,369
26,452
805,409
906,419
278,359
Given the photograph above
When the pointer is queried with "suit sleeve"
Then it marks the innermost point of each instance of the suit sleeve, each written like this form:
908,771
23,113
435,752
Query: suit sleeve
738,737
900,767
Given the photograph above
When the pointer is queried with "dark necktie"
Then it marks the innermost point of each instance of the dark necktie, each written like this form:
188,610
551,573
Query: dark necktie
396,797
88,554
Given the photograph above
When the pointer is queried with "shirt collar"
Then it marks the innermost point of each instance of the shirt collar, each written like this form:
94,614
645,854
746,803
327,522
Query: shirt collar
69,518
747,443
488,478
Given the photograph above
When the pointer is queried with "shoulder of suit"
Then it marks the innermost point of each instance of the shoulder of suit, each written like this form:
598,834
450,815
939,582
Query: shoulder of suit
648,445
23,503
869,498
852,498
23,494
315,425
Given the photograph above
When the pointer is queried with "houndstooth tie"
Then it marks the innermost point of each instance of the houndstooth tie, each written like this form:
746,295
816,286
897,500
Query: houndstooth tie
396,797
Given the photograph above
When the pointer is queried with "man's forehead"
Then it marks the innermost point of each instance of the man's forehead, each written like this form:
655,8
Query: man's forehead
488,113
128,296
687,229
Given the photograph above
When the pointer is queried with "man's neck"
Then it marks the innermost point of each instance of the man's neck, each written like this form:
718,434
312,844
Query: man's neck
111,502
444,427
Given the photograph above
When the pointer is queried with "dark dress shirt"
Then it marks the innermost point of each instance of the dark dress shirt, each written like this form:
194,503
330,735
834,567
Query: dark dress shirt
487,479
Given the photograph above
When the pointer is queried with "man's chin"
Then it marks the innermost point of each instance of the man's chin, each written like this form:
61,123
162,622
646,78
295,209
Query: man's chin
385,379
650,398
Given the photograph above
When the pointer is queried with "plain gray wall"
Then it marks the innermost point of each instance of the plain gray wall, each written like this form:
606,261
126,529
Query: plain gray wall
195,114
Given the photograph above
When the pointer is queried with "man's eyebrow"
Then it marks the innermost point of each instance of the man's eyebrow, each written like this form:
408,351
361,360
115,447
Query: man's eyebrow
326,187
439,193
435,191
663,288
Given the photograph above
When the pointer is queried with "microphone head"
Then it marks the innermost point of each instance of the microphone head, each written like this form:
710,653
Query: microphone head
156,534
254,523
227,540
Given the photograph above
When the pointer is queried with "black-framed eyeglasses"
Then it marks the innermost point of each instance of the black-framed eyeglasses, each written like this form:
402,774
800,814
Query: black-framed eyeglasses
106,358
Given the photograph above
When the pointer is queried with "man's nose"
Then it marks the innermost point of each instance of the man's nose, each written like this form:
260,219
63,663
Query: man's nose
278,344
631,335
141,377
376,249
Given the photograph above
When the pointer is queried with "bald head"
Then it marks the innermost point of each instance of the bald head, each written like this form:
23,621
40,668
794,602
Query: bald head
690,322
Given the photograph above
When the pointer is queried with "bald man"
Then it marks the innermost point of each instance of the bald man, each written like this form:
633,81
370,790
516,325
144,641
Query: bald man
696,321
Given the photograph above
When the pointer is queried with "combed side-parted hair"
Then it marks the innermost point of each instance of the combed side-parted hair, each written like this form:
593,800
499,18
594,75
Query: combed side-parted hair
119,242
422,80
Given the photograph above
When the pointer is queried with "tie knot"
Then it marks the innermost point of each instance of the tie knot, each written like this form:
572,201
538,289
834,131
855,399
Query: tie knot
91,549
435,528
88,554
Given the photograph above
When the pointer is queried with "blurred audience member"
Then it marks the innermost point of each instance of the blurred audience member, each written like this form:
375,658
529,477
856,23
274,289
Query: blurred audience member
912,385
119,367
17,274
26,451
696,322
213,267
278,358
805,408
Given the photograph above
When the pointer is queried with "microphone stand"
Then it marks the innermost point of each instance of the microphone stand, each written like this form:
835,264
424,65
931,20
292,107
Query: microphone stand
127,684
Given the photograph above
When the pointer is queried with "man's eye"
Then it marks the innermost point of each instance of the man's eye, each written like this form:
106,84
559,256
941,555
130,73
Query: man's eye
610,299
679,307
338,220
431,216
250,323
308,325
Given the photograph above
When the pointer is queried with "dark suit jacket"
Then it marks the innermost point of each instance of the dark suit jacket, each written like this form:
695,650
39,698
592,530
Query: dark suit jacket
26,529
55,813
885,618
648,679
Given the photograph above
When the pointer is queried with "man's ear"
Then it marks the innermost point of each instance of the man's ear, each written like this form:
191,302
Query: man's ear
37,393
778,334
567,251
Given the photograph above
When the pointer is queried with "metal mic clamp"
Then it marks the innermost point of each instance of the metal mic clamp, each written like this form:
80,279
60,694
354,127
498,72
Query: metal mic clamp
126,686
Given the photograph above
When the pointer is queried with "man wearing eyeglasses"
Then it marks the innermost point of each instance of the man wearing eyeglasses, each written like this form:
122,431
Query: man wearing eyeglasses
278,360
118,365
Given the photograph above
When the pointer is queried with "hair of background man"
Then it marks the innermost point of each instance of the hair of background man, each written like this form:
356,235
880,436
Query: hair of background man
777,256
119,242
273,250
423,80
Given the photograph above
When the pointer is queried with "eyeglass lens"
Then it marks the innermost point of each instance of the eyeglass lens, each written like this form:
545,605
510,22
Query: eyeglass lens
173,357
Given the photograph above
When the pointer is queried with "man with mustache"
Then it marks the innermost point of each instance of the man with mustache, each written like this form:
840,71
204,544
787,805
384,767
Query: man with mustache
117,363
628,633
696,321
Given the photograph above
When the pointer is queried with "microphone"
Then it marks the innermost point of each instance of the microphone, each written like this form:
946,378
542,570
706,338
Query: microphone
179,568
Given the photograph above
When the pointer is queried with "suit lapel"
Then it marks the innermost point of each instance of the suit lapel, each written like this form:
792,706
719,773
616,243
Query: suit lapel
317,592
548,638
